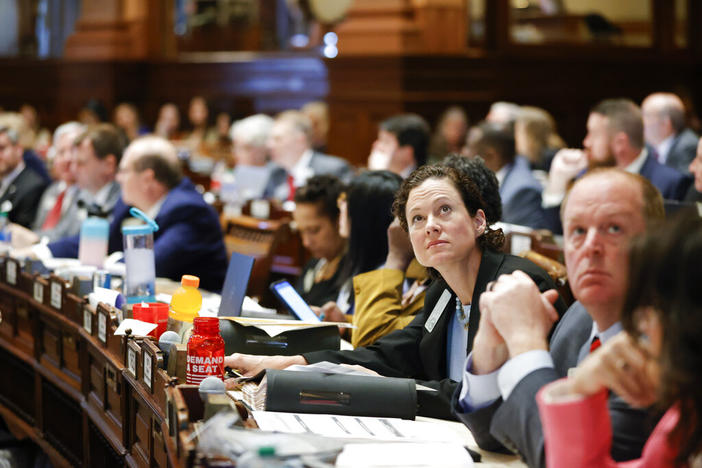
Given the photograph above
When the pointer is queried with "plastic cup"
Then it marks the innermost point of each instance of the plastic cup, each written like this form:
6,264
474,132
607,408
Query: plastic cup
152,312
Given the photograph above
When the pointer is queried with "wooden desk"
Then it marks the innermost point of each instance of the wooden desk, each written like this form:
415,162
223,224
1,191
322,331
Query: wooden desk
89,398
489,459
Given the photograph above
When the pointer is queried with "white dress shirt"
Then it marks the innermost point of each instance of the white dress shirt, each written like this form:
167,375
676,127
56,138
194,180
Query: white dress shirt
479,391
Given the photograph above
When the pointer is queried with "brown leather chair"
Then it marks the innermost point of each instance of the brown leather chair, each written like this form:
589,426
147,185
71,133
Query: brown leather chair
259,239
556,270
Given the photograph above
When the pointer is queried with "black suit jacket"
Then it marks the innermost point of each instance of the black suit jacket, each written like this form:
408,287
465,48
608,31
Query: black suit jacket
415,352
24,193
515,423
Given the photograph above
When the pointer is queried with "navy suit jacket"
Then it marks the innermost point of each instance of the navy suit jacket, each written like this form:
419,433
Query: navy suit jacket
671,183
521,196
683,151
514,423
188,242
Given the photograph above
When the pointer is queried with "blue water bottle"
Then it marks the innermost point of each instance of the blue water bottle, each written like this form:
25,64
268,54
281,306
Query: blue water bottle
140,277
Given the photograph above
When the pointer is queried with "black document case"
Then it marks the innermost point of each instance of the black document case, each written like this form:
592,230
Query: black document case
313,392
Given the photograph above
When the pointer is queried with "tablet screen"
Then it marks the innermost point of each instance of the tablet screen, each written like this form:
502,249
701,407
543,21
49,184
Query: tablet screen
293,300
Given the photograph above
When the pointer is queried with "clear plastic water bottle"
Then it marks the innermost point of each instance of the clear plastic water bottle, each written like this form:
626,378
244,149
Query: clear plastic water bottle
5,234
140,277
94,235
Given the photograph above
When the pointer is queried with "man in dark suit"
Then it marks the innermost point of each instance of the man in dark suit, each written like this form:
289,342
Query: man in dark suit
512,357
519,190
665,130
20,187
290,148
615,138
98,154
189,238
401,146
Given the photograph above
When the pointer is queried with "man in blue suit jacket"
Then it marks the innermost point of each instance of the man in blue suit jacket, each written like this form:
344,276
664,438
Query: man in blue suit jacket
615,137
189,239
519,189
665,131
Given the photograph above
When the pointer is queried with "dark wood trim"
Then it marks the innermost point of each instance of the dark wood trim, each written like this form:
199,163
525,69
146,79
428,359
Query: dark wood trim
21,429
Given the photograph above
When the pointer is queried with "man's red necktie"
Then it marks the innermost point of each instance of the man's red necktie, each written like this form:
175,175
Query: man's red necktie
54,215
291,188
596,343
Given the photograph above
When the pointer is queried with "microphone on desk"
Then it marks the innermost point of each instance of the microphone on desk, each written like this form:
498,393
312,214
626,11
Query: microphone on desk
167,339
211,385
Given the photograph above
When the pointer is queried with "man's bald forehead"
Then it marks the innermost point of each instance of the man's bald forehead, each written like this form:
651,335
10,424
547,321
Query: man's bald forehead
603,179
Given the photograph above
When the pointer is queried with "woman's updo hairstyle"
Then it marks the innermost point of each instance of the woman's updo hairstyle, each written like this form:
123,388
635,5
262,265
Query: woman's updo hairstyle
492,239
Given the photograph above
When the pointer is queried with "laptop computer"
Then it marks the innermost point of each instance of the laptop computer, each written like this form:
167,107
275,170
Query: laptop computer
235,283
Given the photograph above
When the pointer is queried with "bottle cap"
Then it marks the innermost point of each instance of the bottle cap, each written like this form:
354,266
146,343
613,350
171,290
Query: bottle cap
266,451
190,280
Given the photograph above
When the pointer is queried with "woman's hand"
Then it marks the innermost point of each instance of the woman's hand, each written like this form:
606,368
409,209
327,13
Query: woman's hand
249,365
622,366
330,312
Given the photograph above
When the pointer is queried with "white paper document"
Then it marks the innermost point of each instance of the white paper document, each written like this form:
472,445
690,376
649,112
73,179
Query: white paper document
138,327
413,454
356,427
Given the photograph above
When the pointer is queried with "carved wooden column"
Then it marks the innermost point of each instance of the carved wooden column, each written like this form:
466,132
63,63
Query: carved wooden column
403,27
122,29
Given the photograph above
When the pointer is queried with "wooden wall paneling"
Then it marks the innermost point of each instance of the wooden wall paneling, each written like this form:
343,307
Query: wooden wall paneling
565,86
363,91
62,421
17,387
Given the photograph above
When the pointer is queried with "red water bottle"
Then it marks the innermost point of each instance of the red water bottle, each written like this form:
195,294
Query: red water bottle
205,351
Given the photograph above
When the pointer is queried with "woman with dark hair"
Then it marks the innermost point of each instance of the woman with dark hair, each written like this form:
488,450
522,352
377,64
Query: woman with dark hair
657,359
317,217
442,210
389,298
365,214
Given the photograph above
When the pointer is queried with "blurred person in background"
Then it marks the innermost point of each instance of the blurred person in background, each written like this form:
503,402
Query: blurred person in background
666,131
365,215
450,134
35,136
318,113
519,190
126,117
201,135
401,146
92,113
168,122
317,218
536,138
290,149
20,186
58,214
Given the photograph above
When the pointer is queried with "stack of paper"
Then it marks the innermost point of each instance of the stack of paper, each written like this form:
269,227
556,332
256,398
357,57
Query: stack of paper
253,395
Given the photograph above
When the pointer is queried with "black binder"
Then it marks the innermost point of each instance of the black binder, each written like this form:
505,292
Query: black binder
252,340
314,392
